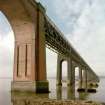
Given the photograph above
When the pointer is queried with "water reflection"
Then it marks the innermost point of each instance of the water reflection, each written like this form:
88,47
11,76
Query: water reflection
70,93
83,95
59,92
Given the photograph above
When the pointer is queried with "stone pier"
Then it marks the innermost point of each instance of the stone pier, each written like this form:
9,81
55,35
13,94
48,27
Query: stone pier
70,72
80,78
26,18
85,80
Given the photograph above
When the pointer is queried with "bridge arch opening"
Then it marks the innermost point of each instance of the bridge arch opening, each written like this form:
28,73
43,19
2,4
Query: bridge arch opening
76,75
51,65
6,47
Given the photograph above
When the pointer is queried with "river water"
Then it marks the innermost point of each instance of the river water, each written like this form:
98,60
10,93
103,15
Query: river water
56,92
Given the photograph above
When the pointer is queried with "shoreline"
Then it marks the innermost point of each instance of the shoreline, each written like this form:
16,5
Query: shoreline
56,102
32,99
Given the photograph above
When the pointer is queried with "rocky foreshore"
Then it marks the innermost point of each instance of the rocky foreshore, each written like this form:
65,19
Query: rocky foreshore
55,102
32,99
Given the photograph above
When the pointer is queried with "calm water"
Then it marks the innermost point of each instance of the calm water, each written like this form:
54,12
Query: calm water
56,93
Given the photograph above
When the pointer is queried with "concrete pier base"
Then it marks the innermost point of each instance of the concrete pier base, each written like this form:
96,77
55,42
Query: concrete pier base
31,86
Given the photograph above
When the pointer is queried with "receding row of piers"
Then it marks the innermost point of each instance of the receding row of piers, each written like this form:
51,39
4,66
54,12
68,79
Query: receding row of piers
71,65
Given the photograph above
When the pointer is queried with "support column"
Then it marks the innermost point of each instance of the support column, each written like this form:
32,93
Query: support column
69,71
85,79
30,49
80,77
59,71
40,53
71,76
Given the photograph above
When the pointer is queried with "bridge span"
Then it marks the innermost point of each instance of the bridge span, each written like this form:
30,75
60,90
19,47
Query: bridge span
34,30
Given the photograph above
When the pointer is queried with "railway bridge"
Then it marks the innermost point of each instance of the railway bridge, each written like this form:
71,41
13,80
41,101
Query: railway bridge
33,31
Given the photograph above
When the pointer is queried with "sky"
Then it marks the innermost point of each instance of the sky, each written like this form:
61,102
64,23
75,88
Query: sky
81,21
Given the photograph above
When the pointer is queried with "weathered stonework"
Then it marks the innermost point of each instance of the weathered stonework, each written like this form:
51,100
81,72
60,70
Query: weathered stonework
35,86
27,21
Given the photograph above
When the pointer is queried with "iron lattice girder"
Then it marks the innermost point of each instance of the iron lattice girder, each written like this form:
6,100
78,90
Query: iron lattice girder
55,39
58,42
